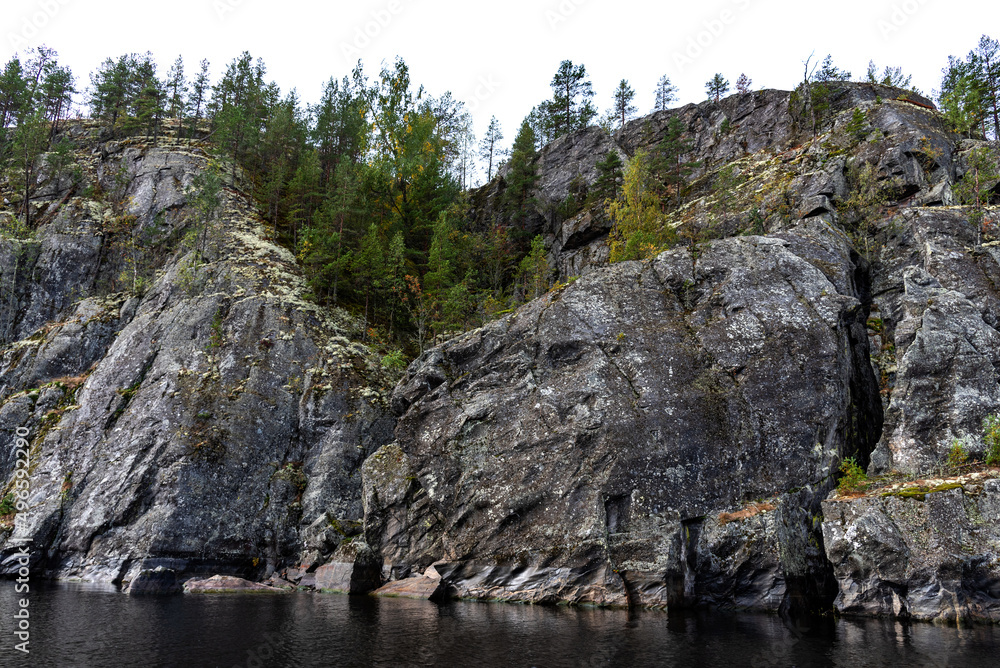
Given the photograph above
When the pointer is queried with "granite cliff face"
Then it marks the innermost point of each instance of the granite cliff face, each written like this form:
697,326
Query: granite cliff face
201,426
667,432
593,439
658,433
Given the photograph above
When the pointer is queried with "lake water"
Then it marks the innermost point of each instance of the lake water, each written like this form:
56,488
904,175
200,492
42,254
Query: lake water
81,625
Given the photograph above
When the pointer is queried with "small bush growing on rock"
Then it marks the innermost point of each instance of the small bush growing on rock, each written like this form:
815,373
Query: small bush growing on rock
854,477
991,439
7,506
958,456
394,360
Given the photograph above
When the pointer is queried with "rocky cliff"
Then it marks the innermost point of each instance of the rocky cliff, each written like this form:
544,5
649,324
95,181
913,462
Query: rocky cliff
202,424
658,433
666,432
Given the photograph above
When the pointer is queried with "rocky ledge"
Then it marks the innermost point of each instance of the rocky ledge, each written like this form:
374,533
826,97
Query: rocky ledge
928,549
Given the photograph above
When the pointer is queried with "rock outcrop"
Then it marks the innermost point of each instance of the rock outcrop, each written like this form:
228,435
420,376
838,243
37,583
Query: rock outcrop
584,448
925,552
666,432
201,424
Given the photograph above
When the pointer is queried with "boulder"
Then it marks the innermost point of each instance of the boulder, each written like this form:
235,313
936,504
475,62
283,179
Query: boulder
354,569
227,584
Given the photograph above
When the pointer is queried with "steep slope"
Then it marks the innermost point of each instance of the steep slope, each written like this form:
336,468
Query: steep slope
664,433
585,448
202,425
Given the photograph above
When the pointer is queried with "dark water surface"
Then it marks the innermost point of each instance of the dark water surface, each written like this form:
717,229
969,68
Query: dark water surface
80,625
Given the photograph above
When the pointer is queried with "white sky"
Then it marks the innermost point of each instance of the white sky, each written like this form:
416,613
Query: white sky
500,57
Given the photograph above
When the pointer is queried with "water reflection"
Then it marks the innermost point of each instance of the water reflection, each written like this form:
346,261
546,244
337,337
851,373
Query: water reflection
77,625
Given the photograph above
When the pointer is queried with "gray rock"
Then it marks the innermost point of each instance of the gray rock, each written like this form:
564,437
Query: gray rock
935,294
578,449
929,557
158,581
209,421
354,569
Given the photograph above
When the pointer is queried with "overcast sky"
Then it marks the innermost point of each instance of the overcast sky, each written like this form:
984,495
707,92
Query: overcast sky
500,57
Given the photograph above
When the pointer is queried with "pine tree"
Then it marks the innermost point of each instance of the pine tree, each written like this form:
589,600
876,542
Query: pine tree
988,54
340,125
241,98
570,107
973,189
667,161
857,127
609,173
962,96
829,72
523,173
13,92
198,95
623,107
30,140
716,87
743,84
538,119
56,94
490,145
110,88
891,76
176,86
666,93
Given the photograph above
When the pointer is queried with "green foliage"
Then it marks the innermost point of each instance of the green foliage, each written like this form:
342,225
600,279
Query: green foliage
8,506
667,164
30,140
958,456
991,439
853,477
623,107
716,87
829,72
638,231
534,270
523,174
666,93
857,127
570,107
394,360
727,180
489,147
215,337
964,95
205,197
890,76
868,195
609,175
975,187
127,94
